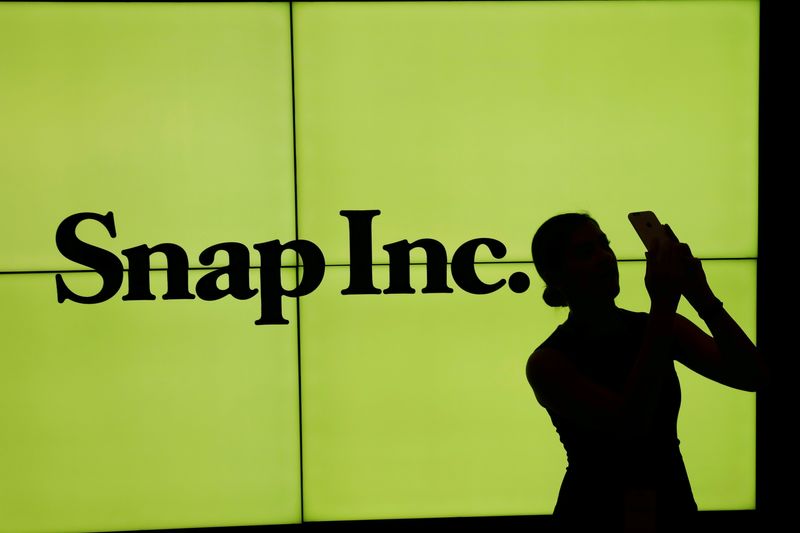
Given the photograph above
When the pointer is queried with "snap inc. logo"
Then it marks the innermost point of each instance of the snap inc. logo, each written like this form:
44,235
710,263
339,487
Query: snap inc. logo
110,268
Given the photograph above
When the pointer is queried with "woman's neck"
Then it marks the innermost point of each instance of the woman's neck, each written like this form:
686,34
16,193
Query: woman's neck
595,318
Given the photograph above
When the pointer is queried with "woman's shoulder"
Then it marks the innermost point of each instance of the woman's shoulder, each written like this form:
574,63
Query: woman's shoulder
541,364
565,339
550,349
636,315
554,342
635,319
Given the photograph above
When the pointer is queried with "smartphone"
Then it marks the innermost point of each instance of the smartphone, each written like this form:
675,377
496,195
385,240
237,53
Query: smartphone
650,230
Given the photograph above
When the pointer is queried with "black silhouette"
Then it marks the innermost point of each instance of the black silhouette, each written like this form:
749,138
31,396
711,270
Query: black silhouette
607,379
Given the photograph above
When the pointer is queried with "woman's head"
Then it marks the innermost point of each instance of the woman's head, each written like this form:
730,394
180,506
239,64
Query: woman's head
572,255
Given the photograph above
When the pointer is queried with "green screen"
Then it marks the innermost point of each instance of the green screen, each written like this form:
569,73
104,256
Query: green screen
202,123
460,120
129,415
409,409
176,117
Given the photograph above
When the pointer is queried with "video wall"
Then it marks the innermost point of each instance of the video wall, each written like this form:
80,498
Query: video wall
236,134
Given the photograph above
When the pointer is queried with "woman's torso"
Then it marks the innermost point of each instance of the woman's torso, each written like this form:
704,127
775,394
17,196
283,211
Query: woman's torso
601,470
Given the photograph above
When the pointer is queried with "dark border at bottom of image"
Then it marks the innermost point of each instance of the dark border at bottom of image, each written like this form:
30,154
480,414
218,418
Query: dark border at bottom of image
725,521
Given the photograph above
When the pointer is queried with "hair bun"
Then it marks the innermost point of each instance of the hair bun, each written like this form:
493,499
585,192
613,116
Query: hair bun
553,297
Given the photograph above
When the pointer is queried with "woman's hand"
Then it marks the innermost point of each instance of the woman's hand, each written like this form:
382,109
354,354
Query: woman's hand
664,276
671,266
694,285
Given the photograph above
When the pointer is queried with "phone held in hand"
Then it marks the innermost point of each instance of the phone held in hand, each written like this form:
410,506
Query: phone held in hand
650,230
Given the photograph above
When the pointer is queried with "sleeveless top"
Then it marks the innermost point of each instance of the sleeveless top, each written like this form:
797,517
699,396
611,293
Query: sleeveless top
601,469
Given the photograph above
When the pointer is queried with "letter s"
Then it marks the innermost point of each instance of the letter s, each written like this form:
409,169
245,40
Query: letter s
102,261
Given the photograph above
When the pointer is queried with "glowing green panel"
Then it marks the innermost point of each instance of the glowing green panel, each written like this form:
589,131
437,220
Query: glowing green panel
457,120
417,405
143,415
175,116
466,119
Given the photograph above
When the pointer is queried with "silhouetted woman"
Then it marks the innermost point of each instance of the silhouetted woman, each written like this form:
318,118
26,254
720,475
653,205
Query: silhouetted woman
607,379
